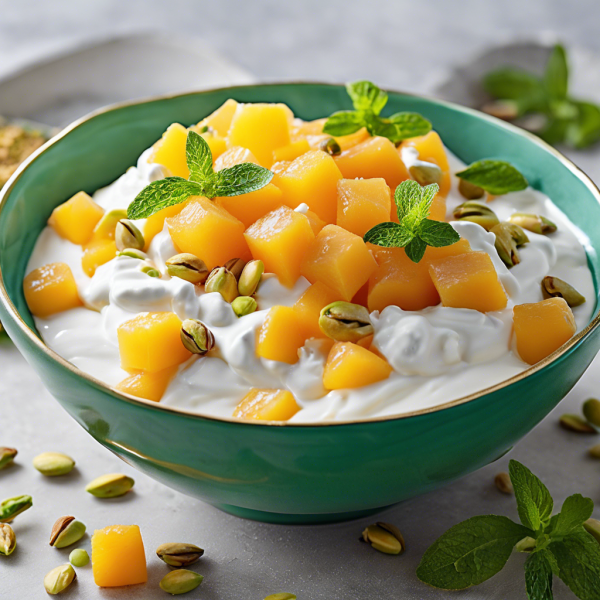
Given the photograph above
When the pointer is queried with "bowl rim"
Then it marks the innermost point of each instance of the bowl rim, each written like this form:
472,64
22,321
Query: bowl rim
39,343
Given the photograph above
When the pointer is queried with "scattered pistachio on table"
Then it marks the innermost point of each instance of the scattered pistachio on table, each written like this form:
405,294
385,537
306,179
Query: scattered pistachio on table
331,146
244,305
250,277
59,579
384,537
503,483
345,322
235,266
426,173
591,411
66,531
11,507
576,423
469,190
53,464
281,596
592,526
535,223
179,555
187,267
133,253
8,539
594,451
476,212
7,456
197,337
222,280
127,235
79,557
180,581
112,485
508,238
553,287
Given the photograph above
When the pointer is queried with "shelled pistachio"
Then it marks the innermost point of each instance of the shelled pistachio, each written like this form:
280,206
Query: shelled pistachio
591,411
59,579
384,537
110,486
250,277
469,190
66,531
7,456
53,464
187,267
575,423
11,507
244,305
535,223
345,322
180,581
553,287
476,212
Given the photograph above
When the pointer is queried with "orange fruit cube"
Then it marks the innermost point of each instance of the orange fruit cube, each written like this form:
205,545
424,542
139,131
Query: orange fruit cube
460,247
150,386
350,366
280,239
151,342
207,230
248,208
156,223
542,327
216,143
51,289
234,156
375,157
316,223
262,128
76,218
431,149
309,307
118,556
96,253
362,296
280,336
312,178
468,280
339,259
305,128
267,405
220,119
292,151
362,204
169,151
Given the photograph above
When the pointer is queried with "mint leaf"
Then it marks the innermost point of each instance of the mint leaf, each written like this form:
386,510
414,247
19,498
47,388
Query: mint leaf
388,235
575,510
534,502
556,76
241,179
407,196
161,194
409,125
437,233
199,157
494,176
584,130
344,123
538,576
513,84
366,96
470,552
415,250
578,558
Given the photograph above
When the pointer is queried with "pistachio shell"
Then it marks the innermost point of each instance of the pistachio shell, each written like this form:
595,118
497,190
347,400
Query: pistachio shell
127,235
591,411
8,539
179,555
235,266
196,336
53,464
384,537
476,212
133,253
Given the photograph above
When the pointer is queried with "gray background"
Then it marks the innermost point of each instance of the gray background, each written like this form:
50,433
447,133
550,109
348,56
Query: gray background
404,45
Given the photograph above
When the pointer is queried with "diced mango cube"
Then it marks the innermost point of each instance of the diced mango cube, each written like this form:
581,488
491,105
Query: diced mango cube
432,253
312,131
216,143
51,289
292,151
350,366
150,386
76,218
312,178
304,128
340,260
362,204
234,156
280,336
155,223
151,342
375,157
118,556
309,307
431,149
248,208
107,225
262,128
97,253
316,223
468,280
207,230
169,151
280,239
362,296
220,119
267,405
542,327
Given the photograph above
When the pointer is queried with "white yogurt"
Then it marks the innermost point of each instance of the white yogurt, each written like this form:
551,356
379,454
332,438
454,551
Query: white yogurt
438,354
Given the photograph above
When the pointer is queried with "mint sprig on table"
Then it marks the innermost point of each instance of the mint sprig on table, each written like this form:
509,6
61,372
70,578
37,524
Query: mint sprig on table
203,181
415,231
494,176
476,549
368,101
564,118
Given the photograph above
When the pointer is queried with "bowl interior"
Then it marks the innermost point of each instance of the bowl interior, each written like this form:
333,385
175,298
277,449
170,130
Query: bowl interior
95,151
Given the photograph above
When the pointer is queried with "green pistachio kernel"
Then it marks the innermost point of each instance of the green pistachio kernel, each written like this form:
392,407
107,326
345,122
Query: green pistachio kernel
345,322
127,235
150,270
108,223
110,486
53,464
591,411
384,537
469,190
250,277
59,579
426,173
66,531
133,253
11,507
575,423
222,281
180,581
244,305
79,557
7,456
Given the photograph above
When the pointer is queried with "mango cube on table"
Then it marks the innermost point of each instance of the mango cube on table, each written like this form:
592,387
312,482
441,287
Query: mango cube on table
148,385
340,260
542,327
51,289
169,151
76,218
151,342
362,204
309,307
97,253
280,336
280,239
468,281
267,405
208,231
431,149
118,556
350,366
220,119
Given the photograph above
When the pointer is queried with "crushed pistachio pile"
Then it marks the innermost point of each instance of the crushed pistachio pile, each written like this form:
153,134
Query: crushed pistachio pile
16,144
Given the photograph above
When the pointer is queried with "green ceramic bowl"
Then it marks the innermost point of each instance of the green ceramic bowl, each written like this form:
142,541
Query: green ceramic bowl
288,473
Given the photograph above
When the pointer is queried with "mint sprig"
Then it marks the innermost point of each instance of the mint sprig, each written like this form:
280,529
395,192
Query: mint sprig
496,177
476,549
415,231
203,181
368,101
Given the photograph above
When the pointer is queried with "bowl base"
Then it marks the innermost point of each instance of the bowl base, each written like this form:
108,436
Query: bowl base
297,519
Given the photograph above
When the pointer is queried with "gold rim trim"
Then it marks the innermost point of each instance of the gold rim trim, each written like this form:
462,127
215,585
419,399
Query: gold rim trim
11,309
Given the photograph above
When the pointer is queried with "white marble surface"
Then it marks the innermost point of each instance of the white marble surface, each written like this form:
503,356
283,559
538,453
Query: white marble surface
397,43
